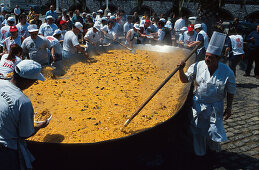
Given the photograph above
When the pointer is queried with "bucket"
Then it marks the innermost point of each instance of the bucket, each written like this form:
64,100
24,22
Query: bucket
122,153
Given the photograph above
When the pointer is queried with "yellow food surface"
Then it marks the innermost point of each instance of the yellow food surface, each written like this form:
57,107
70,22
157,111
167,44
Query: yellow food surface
91,102
44,115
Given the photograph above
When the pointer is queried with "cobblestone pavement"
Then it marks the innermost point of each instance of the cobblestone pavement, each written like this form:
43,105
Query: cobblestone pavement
242,149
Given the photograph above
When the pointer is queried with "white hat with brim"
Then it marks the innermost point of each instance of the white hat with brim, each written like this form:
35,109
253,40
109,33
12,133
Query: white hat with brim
183,29
113,17
109,14
2,4
79,26
192,18
33,28
197,26
216,44
96,26
11,19
163,20
50,17
29,69
57,31
101,11
136,26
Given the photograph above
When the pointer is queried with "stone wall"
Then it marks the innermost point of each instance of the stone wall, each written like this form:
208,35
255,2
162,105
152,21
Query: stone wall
157,6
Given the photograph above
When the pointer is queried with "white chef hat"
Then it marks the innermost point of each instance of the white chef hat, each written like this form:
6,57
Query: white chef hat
216,43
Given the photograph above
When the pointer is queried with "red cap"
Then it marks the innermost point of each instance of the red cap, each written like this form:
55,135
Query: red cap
62,22
13,29
190,27
148,21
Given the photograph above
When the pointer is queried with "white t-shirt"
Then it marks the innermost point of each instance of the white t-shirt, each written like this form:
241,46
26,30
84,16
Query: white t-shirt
8,42
36,49
7,66
54,43
16,115
126,27
110,33
23,29
4,34
70,41
237,44
179,24
47,30
93,37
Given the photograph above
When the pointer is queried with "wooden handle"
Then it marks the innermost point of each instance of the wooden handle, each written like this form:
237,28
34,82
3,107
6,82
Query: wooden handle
159,87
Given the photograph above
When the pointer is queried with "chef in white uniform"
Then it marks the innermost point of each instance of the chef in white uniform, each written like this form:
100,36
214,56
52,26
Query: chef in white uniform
213,81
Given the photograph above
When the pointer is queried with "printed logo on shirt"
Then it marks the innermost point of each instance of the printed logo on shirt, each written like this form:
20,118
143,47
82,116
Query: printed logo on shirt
8,100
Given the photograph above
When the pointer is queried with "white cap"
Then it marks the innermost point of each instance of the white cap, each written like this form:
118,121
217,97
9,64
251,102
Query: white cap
216,44
84,13
79,26
192,18
112,17
11,19
109,14
50,17
97,26
104,18
2,4
163,20
94,13
197,26
183,29
57,31
136,26
33,28
141,25
29,69
101,11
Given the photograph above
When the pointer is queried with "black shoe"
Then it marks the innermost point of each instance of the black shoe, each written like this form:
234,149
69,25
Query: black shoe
246,75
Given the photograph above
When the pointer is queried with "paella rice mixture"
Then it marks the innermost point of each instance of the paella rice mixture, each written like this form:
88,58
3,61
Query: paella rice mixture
91,102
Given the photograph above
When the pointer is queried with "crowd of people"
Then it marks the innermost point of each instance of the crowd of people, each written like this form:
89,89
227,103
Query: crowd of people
30,44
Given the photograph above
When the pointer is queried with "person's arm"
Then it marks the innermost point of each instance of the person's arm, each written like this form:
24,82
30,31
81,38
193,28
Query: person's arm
228,109
183,77
52,51
82,50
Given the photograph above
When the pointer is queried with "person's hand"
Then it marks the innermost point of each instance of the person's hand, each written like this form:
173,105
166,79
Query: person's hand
42,124
181,65
86,55
227,113
92,43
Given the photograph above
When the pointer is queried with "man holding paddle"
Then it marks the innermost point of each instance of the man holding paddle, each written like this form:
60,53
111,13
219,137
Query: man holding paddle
213,80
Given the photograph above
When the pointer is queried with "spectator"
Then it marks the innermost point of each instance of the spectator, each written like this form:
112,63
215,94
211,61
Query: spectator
127,26
136,18
16,116
48,28
253,51
94,17
13,39
63,28
31,15
17,13
202,38
77,17
35,46
235,49
71,45
2,18
5,31
9,61
23,26
52,13
187,37
178,25
163,35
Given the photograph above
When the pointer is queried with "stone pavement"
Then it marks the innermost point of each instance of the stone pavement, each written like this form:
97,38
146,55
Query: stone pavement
242,149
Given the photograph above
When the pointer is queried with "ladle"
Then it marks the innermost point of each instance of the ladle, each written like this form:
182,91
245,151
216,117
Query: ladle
161,85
